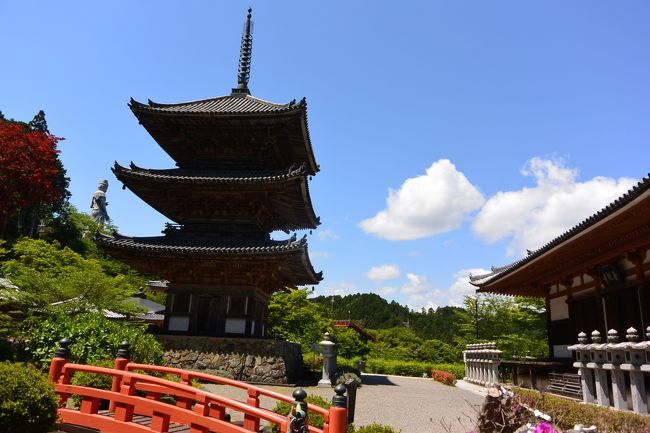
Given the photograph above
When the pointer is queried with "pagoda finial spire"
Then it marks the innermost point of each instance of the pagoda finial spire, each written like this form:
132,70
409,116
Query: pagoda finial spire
244,70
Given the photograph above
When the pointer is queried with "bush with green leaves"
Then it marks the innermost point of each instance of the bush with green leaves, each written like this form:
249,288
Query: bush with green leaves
344,373
93,380
411,368
94,338
315,419
376,428
28,403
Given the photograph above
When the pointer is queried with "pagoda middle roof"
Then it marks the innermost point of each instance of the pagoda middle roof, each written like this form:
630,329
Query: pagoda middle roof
229,105
200,245
274,199
210,176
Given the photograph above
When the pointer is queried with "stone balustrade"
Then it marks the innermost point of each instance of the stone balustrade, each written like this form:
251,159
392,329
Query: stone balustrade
620,359
481,363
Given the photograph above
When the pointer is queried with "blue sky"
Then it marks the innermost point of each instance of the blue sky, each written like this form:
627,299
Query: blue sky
451,136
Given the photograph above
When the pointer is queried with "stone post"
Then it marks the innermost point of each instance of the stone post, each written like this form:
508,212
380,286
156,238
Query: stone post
329,349
582,359
615,357
598,358
634,360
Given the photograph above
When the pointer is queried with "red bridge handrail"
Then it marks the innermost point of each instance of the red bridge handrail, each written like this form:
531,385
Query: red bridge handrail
133,393
131,382
187,377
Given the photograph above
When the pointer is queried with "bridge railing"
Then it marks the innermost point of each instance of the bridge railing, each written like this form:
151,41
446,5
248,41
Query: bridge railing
253,392
134,393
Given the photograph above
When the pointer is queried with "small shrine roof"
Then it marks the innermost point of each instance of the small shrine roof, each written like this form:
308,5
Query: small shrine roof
639,191
222,105
210,176
200,246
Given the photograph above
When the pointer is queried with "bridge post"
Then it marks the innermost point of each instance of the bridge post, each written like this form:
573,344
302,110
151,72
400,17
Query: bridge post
339,411
251,422
299,413
122,358
61,357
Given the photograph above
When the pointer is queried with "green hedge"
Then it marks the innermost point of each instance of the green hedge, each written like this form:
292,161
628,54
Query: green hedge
412,368
567,413
28,402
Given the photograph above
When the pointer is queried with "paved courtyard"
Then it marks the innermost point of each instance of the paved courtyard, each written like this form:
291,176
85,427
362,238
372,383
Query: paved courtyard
412,405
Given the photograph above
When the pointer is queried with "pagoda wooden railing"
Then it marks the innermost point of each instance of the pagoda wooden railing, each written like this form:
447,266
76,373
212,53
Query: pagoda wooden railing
136,401
353,324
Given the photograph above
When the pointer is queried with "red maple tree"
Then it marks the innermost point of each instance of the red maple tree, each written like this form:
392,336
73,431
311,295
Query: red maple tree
29,169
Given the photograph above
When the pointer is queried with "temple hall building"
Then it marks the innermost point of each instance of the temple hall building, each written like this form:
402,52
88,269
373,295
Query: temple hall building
594,277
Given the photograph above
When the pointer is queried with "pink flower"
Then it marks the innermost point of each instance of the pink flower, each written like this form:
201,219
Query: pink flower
543,427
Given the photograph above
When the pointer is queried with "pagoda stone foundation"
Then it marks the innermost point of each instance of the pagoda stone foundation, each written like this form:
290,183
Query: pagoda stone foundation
250,360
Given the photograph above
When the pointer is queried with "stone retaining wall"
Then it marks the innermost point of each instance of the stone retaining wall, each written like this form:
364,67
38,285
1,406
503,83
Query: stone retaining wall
247,359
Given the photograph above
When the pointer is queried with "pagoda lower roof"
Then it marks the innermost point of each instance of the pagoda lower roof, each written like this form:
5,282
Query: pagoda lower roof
269,264
274,200
235,130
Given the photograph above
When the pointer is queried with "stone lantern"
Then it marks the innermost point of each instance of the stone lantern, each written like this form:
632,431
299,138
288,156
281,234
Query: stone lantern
329,350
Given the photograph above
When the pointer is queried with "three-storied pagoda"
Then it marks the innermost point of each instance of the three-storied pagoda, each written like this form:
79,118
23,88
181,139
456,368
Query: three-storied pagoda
242,170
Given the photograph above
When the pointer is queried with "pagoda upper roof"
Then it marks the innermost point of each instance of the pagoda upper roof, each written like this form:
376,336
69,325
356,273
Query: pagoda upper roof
279,264
230,105
272,199
236,131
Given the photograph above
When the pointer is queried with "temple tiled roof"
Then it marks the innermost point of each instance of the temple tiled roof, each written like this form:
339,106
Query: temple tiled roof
223,105
635,192
209,176
199,246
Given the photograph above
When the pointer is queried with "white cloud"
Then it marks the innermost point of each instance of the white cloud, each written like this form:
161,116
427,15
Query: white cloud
433,203
421,295
415,284
341,288
315,255
531,217
327,235
383,272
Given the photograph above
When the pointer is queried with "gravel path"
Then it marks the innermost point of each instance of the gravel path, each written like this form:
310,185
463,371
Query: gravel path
412,405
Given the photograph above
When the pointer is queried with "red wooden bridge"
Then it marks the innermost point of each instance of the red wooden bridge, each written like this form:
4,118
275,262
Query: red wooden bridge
353,324
136,401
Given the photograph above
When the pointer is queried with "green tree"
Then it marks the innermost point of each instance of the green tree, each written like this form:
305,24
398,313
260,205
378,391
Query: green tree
516,324
350,343
294,317
438,352
395,343
47,273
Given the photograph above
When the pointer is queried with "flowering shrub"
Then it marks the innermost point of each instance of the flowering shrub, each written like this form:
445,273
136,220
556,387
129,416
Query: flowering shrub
443,377
567,414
